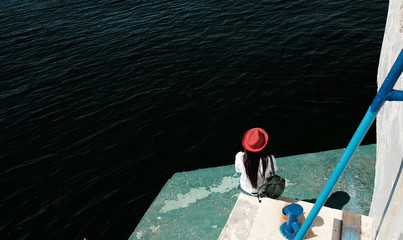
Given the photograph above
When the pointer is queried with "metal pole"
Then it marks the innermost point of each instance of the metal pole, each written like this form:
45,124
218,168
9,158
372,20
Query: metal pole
395,95
354,143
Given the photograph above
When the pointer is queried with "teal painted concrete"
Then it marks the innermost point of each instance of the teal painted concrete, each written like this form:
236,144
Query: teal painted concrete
192,205
197,204
307,174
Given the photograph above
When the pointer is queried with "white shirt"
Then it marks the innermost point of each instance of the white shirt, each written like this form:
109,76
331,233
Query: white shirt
244,180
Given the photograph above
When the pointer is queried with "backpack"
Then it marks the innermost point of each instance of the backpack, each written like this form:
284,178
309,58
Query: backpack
275,185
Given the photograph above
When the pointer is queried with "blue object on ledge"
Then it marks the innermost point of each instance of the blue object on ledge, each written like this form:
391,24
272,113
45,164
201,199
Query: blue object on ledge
290,228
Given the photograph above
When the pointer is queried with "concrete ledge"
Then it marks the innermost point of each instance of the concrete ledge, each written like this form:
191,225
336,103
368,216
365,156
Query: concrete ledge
192,205
253,220
197,204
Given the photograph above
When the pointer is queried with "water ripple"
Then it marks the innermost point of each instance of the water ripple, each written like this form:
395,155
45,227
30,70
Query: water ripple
100,97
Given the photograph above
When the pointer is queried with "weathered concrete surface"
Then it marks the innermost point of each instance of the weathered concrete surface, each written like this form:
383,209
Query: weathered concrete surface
387,205
197,204
307,174
192,205
253,221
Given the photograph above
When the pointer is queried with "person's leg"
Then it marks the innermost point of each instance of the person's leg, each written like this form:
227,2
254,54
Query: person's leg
245,192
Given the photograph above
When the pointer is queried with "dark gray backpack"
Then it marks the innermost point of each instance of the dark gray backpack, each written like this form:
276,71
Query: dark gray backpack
275,185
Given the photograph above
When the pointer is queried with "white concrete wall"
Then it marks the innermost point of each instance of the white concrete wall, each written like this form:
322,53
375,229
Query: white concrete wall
387,203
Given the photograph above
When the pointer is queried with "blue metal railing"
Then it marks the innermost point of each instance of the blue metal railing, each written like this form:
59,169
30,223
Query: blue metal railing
386,92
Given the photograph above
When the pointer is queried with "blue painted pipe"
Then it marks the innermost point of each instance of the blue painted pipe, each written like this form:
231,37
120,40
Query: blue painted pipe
395,96
355,141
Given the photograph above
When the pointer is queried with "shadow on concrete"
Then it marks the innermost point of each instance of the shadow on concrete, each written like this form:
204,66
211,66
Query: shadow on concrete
390,198
316,223
337,200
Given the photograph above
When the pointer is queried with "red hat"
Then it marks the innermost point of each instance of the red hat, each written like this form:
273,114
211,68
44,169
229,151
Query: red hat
255,139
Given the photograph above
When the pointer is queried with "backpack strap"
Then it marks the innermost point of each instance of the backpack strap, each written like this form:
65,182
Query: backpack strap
272,166
266,183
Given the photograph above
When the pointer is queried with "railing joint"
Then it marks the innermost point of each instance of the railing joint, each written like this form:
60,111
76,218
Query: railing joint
395,95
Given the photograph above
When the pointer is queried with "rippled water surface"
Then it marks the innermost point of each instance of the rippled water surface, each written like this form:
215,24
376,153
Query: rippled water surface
102,101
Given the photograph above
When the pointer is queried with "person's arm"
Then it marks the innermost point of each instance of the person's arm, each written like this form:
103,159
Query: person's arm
239,162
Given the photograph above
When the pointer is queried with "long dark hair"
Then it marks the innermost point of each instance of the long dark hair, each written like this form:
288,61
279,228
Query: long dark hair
251,161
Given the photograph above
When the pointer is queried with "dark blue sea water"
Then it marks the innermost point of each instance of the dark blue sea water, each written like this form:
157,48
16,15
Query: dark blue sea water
102,101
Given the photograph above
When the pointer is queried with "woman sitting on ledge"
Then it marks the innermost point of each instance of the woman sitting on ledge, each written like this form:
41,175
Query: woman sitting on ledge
253,163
